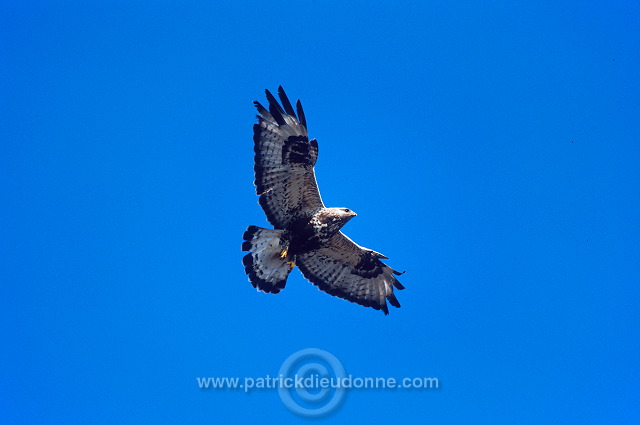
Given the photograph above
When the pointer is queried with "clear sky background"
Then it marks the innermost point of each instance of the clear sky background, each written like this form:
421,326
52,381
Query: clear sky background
490,149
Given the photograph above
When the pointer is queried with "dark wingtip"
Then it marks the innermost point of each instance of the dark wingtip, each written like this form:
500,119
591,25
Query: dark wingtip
393,300
275,109
301,118
261,109
397,284
285,102
270,98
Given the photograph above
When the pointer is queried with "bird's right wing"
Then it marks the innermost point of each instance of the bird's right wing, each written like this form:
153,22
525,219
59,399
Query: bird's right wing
284,162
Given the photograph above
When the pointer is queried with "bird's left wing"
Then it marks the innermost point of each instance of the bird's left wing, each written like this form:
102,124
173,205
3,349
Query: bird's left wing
284,160
346,270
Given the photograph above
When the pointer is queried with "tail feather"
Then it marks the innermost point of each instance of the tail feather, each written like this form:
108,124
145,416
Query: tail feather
264,264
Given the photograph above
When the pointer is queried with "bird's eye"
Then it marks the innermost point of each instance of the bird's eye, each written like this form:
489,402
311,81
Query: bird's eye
346,210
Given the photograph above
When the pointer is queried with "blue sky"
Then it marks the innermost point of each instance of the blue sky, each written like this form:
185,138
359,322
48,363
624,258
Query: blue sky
490,149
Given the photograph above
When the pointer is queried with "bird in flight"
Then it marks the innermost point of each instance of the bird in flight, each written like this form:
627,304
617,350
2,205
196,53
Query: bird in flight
306,233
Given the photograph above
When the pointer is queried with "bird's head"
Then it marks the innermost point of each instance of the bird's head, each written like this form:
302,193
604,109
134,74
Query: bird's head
341,213
336,217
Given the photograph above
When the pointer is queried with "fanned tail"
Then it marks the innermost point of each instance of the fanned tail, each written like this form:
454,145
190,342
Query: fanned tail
268,263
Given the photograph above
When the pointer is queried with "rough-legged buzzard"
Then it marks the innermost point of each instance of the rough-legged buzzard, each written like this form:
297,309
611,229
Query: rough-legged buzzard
306,233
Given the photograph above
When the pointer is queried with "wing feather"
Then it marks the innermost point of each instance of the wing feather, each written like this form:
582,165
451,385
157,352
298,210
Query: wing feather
285,102
284,161
346,270
275,109
301,117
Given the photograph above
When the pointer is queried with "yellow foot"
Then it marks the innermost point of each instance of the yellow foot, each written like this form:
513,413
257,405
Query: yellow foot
291,264
284,253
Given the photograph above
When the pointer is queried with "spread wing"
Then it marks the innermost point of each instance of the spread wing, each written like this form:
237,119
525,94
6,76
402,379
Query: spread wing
346,270
284,162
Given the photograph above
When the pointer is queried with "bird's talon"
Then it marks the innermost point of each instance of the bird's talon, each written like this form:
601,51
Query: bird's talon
284,253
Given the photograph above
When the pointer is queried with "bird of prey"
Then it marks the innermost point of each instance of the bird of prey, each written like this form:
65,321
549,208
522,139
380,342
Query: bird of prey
306,233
